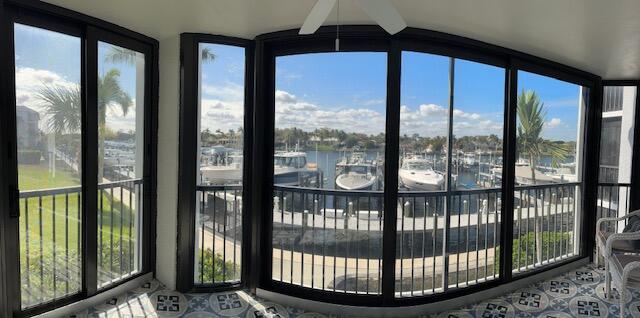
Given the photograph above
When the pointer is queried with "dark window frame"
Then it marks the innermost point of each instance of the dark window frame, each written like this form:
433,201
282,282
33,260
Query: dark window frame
90,31
353,39
187,158
257,263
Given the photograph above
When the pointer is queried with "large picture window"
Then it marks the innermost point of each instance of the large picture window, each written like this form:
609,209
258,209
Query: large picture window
328,176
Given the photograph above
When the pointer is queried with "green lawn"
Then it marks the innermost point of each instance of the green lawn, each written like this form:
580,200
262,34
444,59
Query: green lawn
52,232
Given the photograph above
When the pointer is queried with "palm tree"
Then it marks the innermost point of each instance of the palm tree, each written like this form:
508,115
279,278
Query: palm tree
531,120
62,105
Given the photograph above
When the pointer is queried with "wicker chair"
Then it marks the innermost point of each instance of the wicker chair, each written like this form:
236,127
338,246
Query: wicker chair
621,245
621,258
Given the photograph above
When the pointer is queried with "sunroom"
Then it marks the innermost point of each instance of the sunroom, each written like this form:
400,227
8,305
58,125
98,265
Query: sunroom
317,158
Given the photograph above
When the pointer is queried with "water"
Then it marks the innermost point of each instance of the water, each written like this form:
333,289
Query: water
467,176
327,160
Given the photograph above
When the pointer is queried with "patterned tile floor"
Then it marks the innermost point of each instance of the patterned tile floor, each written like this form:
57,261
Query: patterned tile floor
579,293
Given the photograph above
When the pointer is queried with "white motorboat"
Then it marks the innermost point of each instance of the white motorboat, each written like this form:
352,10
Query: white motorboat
416,174
357,173
227,171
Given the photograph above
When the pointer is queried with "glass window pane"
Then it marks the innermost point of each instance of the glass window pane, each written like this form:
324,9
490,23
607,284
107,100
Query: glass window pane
329,134
550,119
121,96
475,166
218,256
48,118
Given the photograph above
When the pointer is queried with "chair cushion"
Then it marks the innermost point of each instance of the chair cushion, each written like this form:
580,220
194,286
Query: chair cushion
633,226
619,245
620,260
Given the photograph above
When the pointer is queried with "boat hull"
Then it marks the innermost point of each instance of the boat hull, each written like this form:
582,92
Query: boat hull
419,185
345,182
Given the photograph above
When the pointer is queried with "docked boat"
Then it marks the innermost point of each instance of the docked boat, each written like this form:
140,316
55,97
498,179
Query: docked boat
227,171
355,172
290,168
470,159
416,174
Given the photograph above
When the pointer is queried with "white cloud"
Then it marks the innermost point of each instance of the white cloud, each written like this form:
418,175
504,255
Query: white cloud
553,123
433,120
285,98
227,92
30,81
372,102
426,119
293,112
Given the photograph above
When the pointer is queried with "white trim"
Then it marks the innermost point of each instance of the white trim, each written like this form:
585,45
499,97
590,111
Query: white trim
615,113
97,299
417,310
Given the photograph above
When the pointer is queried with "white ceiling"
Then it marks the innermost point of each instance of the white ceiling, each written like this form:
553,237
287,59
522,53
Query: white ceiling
599,36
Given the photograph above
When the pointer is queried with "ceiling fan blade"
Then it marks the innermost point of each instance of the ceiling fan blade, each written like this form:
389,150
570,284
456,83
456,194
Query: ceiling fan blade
383,12
317,16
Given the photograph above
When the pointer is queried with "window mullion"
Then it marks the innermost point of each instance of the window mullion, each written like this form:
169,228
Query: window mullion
89,94
448,200
394,62
508,173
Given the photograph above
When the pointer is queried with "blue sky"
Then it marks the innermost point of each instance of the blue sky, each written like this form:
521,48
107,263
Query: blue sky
339,90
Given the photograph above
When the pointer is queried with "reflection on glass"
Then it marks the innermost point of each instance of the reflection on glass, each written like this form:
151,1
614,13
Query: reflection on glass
220,172
329,134
121,89
549,147
474,165
48,118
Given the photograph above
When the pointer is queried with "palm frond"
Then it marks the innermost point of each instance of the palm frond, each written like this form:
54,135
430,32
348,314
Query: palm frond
207,55
118,54
63,106
531,122
111,94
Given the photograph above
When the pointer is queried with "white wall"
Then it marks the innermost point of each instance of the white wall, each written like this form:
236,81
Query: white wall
168,112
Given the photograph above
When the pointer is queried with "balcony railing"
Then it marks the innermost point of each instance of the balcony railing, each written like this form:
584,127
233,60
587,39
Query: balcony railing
613,201
328,239
119,218
613,98
218,235
50,239
545,221
469,227
332,239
